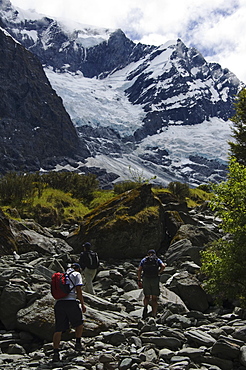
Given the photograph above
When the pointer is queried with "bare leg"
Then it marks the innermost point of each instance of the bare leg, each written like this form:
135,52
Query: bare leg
154,305
56,339
146,300
79,331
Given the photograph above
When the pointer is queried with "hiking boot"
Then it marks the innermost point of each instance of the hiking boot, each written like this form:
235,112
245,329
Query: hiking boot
145,312
79,347
56,357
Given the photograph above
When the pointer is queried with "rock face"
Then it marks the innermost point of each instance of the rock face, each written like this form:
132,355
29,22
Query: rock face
34,126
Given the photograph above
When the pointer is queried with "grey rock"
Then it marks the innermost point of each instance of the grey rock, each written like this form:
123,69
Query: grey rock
243,355
12,299
192,353
125,364
199,337
16,349
181,320
182,249
240,333
166,353
36,105
115,337
226,349
189,289
222,364
171,343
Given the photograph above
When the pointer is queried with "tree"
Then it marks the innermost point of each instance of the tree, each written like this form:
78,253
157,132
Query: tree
238,147
224,261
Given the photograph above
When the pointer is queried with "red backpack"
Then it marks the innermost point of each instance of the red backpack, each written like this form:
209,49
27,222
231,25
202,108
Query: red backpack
59,285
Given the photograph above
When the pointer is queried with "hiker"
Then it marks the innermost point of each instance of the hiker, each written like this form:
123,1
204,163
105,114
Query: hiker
149,269
89,263
68,310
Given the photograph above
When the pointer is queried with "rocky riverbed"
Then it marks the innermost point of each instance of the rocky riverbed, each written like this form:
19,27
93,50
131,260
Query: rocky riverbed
188,333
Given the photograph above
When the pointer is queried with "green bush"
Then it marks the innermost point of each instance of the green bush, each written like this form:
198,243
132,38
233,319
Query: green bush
16,189
121,187
223,262
79,186
180,190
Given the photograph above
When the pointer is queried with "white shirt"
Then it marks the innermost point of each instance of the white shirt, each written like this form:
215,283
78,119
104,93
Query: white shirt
74,279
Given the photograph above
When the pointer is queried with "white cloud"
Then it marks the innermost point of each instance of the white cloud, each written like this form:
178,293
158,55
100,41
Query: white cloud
215,27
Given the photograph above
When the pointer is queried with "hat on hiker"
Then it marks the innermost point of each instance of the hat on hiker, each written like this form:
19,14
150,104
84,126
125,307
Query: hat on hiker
151,251
76,266
87,246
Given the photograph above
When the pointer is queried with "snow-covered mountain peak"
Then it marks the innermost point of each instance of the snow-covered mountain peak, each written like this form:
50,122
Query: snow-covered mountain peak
161,109
86,35
81,34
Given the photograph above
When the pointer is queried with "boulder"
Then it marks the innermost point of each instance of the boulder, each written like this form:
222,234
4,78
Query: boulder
123,228
7,239
183,250
32,237
198,235
12,299
39,319
189,289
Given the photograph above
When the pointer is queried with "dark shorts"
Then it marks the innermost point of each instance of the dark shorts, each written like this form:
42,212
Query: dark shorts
67,311
151,286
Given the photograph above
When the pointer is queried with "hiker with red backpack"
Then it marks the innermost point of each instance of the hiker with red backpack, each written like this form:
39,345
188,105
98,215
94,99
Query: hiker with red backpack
148,273
89,263
69,306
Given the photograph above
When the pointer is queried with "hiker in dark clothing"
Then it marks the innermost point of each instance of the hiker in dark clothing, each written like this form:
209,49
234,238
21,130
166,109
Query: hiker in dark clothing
89,263
148,274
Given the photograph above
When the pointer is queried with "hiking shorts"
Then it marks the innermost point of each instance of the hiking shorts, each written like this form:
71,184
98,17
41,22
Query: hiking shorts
67,312
151,286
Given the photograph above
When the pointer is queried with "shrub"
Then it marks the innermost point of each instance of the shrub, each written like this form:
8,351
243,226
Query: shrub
121,187
16,188
180,190
223,262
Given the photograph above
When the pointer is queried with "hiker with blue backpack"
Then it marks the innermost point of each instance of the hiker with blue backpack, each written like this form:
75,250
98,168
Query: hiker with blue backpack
66,288
89,263
148,273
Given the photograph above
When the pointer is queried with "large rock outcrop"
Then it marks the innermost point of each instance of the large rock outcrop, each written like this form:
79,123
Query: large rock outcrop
34,126
138,220
128,225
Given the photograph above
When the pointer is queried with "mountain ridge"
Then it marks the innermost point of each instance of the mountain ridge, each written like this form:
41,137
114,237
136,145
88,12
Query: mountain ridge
157,88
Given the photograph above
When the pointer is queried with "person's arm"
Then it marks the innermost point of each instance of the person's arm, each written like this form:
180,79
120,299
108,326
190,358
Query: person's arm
80,297
162,267
139,274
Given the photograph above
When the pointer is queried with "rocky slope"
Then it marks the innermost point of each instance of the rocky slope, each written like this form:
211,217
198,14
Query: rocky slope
190,332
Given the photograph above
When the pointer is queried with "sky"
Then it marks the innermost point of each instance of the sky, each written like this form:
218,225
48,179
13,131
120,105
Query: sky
216,28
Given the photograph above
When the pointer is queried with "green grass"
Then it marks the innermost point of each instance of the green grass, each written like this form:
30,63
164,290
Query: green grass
197,197
69,207
66,208
101,197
